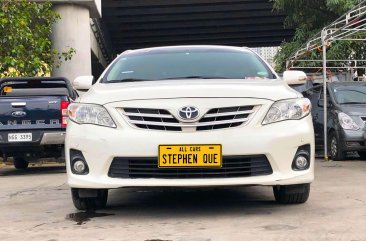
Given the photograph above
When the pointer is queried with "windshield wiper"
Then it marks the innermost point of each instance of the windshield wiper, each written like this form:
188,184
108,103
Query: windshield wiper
196,77
126,80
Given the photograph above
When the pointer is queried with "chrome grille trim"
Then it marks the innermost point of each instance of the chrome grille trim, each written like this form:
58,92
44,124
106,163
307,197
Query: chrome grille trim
152,119
230,113
215,118
226,117
150,115
187,124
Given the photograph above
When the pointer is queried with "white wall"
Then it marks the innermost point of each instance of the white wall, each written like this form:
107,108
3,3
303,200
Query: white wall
73,30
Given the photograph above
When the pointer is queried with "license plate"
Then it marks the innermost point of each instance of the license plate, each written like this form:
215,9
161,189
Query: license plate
190,156
19,137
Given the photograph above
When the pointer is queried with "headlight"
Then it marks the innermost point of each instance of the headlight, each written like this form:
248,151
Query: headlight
292,109
90,114
347,122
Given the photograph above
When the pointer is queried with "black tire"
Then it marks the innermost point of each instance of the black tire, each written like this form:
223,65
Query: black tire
20,163
334,148
90,203
292,194
362,155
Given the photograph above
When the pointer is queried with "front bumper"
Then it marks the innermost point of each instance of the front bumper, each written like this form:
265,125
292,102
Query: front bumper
352,140
278,141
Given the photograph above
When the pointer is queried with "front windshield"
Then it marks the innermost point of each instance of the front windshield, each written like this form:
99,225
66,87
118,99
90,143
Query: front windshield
207,64
350,94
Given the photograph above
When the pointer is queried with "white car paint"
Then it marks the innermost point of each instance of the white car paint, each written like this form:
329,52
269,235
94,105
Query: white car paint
278,141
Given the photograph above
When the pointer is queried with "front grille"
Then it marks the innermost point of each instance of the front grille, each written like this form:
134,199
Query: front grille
227,117
160,119
233,166
154,119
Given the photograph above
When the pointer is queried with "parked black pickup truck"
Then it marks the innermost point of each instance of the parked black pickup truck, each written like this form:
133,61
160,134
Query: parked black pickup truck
33,118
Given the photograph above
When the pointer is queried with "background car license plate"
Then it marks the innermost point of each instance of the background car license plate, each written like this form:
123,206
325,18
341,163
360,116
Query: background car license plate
19,137
190,156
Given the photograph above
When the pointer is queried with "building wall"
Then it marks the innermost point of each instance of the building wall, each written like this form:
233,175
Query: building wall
267,53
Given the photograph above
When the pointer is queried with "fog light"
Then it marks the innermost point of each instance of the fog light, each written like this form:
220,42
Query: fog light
302,158
301,162
79,166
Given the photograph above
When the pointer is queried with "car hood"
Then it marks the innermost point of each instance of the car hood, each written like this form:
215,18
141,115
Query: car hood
353,109
274,90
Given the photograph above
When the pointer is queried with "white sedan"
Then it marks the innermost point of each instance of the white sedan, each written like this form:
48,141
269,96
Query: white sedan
189,116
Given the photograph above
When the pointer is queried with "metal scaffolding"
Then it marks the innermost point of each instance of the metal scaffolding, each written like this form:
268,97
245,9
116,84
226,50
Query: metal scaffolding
344,28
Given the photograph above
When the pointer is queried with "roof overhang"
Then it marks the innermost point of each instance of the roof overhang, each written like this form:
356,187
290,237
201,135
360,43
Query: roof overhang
134,24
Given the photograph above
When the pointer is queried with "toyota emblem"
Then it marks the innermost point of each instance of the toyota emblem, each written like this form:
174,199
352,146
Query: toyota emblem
188,112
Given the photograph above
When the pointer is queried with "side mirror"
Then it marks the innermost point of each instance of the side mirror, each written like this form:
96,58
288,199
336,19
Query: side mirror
294,77
83,82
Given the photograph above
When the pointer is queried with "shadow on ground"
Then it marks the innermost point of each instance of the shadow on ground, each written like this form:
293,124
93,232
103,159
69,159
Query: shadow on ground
191,203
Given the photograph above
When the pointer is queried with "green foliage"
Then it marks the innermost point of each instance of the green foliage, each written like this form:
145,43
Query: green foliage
25,45
308,17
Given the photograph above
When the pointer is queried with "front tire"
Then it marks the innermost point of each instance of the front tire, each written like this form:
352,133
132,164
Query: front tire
334,148
20,163
362,155
89,203
292,194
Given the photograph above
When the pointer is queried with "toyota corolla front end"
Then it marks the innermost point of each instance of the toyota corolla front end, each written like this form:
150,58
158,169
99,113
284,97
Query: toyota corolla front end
189,116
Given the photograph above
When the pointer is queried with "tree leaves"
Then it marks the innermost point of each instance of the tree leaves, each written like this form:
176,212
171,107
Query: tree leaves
25,44
308,17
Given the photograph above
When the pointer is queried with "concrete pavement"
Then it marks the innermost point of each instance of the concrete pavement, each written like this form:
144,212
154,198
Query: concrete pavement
36,205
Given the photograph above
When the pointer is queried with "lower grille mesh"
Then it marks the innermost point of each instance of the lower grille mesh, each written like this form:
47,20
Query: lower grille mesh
233,166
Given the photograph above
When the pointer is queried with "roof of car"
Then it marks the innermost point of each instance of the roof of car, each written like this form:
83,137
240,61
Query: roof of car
183,48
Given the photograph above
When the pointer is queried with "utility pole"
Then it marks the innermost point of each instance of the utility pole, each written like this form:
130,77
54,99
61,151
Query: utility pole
324,45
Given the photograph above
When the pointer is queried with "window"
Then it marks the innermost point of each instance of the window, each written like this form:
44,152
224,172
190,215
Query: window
350,94
190,63
37,88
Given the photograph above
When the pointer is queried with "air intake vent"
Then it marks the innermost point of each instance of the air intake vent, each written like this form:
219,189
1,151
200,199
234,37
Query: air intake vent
233,166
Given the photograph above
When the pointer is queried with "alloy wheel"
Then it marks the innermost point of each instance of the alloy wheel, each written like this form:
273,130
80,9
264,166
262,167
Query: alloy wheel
333,147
